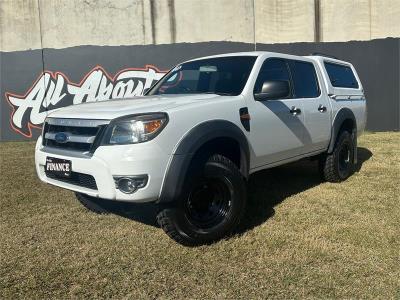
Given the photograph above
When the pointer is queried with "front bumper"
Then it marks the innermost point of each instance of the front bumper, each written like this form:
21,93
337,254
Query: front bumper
109,161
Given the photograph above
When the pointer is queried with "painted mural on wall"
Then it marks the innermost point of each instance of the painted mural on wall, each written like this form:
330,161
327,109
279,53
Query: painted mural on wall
53,90
98,73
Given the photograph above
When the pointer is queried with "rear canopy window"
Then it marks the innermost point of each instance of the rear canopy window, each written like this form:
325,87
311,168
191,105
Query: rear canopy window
341,75
304,79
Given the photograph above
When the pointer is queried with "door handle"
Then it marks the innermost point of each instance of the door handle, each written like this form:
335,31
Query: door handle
321,108
295,111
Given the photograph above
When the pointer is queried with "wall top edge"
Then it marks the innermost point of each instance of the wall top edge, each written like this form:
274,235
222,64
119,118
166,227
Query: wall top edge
205,42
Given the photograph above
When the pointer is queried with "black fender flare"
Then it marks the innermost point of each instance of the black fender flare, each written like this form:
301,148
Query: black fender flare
175,175
343,115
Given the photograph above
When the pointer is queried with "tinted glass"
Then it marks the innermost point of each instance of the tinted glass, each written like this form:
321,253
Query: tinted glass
272,69
305,81
222,75
341,76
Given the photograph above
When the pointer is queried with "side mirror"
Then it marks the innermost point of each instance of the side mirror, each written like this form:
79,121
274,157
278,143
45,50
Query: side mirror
273,89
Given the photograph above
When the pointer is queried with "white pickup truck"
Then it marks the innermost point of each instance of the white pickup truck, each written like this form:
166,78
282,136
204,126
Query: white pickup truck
193,140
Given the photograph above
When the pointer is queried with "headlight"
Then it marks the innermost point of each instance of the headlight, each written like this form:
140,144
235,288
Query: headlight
135,129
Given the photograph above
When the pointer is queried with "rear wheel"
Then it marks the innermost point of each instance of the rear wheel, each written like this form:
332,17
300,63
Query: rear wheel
210,207
338,165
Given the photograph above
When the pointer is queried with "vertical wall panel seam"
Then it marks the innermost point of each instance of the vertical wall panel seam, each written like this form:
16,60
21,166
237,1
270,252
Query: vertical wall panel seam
172,20
153,21
254,25
317,21
143,24
370,19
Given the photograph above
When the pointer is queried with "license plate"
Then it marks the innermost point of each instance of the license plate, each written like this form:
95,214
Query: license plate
58,167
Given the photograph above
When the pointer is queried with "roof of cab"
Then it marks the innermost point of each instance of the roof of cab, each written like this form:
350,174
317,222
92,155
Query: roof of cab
248,53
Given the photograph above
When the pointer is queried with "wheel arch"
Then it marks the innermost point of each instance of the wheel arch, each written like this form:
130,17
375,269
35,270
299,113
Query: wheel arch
223,135
344,120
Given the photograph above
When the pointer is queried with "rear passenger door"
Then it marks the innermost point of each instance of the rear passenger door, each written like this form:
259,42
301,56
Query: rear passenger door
316,108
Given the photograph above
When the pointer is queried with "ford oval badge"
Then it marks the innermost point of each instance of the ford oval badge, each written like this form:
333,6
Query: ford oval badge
61,137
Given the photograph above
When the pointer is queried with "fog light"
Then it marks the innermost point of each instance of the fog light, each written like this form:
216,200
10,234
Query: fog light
130,184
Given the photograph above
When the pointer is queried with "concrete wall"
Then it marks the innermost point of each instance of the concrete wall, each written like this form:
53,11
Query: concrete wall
67,23
75,22
385,16
19,25
344,20
285,21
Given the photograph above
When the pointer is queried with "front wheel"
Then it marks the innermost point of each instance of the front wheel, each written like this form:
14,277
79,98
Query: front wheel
211,206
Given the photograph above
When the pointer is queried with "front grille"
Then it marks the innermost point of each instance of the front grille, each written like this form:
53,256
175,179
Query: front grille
79,179
73,134
82,147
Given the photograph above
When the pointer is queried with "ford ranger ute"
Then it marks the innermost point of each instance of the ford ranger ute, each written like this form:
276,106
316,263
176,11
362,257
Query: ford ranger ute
191,142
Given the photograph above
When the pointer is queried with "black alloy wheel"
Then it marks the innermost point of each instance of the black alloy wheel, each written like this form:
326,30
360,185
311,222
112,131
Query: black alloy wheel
209,203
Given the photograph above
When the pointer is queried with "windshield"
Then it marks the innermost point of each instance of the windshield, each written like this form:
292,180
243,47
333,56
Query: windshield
221,75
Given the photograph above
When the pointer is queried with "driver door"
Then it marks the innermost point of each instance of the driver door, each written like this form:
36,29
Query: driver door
277,125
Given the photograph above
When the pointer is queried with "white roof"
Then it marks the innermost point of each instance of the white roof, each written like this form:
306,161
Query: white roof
264,53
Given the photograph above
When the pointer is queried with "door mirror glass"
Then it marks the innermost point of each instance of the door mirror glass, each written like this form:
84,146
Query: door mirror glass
273,89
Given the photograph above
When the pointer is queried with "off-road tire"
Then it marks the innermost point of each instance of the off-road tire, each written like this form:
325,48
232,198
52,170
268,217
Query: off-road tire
332,168
96,205
184,227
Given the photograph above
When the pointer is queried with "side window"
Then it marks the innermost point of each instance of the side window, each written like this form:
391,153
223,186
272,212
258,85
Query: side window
272,69
305,80
341,75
